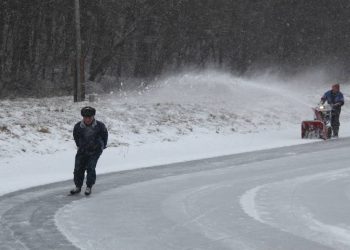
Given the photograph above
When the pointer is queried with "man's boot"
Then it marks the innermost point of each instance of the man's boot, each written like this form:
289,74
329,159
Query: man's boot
88,191
75,190
335,132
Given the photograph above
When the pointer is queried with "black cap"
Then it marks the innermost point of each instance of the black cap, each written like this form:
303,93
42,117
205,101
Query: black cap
88,111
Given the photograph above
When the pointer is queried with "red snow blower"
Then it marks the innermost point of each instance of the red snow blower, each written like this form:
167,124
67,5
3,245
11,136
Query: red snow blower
320,127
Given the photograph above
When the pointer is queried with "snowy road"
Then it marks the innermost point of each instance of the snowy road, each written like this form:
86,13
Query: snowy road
286,198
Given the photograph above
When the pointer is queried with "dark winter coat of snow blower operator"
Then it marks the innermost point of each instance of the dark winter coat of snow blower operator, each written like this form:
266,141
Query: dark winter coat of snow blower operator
91,138
336,99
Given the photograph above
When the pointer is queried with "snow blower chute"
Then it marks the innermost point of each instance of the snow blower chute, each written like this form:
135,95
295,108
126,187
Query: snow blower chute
320,127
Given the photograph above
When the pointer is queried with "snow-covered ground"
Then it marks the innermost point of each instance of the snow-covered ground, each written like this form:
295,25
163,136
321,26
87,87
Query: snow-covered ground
182,117
297,201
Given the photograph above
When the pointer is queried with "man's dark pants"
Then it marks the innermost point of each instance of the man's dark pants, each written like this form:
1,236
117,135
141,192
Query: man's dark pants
86,162
335,121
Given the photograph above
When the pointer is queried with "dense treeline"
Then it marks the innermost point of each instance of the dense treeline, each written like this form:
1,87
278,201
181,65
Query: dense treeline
143,38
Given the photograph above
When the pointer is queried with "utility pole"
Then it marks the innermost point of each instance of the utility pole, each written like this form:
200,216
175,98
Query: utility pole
79,93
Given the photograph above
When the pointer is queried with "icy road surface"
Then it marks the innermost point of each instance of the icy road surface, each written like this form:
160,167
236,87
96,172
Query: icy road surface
294,197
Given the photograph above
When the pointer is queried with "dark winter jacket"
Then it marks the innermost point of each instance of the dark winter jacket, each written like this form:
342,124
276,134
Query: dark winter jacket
333,98
90,139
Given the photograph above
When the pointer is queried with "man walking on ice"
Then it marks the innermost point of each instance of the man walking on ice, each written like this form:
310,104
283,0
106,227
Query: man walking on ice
91,138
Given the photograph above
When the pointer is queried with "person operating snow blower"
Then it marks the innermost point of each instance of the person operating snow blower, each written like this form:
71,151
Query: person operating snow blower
335,99
91,138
